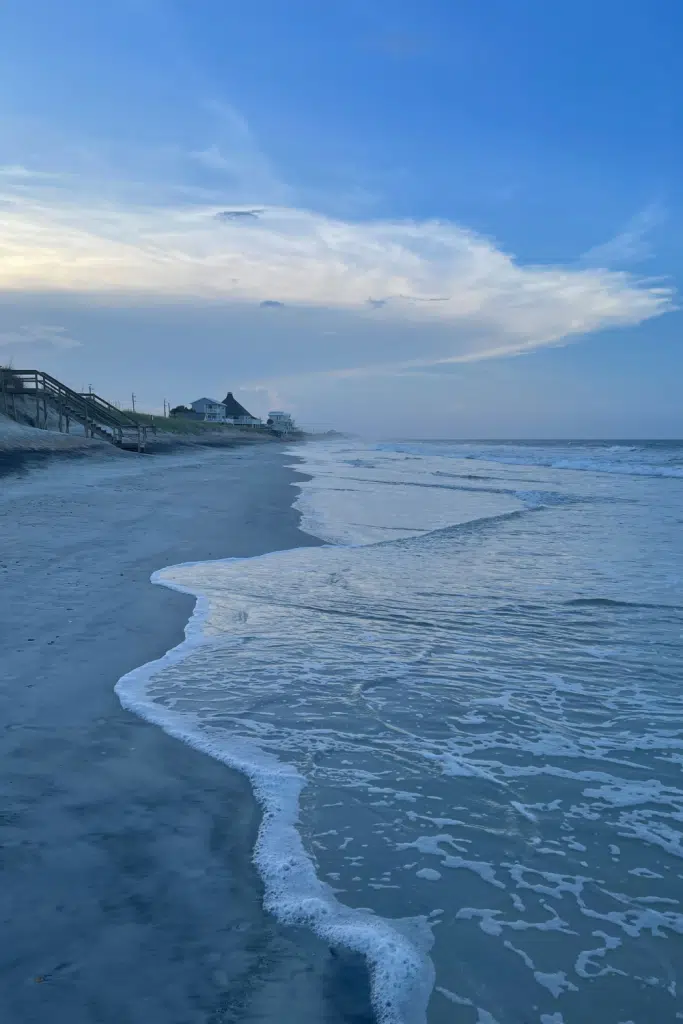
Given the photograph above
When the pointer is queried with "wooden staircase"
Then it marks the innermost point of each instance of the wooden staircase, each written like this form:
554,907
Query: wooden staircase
32,395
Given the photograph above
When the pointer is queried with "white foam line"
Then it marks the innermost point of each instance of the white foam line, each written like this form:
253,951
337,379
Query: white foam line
402,974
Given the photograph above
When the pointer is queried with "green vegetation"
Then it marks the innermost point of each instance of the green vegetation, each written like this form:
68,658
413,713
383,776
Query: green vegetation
180,425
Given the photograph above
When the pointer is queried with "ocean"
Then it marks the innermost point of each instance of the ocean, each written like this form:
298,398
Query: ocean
463,718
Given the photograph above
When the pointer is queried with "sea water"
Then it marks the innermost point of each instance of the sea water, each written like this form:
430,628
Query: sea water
463,717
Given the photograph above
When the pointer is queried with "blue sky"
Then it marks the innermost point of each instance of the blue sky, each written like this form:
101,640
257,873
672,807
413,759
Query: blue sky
463,218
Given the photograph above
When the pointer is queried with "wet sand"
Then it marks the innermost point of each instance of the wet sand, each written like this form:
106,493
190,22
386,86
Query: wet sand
128,894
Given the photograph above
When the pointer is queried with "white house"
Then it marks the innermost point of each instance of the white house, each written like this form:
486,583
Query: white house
280,421
209,410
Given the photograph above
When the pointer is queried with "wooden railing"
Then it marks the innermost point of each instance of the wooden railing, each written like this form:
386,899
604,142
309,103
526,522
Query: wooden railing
98,417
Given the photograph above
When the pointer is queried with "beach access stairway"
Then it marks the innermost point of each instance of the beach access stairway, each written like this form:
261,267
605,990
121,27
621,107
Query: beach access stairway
36,398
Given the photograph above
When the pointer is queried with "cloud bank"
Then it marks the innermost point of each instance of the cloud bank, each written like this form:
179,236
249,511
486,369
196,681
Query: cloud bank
57,239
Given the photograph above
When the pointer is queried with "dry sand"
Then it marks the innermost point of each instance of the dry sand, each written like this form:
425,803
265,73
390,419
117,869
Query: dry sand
128,894
16,438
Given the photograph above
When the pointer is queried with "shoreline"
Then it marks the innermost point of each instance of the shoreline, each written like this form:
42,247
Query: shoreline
129,893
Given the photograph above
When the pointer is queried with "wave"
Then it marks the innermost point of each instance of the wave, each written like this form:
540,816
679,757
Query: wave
590,466
623,468
583,465
462,476
544,499
532,498
541,457
401,971
608,602
453,664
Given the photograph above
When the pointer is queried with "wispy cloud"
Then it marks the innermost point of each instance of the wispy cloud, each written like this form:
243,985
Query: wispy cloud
632,244
421,367
235,156
17,172
430,273
212,158
42,334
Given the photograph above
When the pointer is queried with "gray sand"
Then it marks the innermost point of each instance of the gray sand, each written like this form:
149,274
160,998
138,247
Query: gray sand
128,895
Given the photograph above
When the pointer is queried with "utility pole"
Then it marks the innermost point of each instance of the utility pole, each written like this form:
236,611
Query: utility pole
164,408
132,398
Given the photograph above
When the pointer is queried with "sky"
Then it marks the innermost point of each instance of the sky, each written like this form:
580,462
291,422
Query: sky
444,218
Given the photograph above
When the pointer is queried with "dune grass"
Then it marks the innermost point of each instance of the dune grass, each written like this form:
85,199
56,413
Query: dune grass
180,425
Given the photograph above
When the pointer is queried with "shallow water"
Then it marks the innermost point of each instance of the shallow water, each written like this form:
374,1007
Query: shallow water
472,699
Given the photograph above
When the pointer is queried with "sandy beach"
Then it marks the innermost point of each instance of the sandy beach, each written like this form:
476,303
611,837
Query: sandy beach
129,895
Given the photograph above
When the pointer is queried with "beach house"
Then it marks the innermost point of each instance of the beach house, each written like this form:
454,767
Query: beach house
237,414
209,410
280,422
227,411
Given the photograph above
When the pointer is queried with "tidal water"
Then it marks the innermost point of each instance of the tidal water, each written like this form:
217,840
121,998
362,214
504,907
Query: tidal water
464,719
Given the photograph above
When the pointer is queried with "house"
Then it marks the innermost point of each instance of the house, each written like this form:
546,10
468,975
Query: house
209,410
280,422
237,414
228,411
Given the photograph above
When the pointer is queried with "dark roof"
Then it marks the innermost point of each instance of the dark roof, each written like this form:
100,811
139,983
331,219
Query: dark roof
233,409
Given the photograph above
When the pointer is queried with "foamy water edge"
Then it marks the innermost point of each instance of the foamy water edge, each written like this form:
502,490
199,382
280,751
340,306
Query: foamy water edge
401,972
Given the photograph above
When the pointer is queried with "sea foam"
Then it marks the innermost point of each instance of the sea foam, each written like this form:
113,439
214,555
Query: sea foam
402,974
462,720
